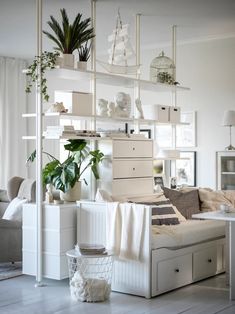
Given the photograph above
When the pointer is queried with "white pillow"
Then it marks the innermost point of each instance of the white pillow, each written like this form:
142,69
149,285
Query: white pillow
14,209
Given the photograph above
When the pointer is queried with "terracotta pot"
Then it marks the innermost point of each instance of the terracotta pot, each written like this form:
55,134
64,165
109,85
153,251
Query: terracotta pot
73,194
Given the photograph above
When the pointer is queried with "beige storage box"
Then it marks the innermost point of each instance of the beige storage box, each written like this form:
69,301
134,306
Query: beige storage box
159,113
76,102
174,114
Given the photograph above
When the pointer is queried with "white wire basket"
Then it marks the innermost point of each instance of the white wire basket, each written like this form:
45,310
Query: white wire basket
90,276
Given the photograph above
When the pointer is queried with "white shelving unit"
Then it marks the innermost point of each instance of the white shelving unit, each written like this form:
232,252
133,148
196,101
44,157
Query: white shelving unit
94,77
225,169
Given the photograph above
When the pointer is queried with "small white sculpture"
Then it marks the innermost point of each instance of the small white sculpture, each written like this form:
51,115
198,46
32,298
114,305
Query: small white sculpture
111,109
123,105
49,195
57,107
103,107
139,108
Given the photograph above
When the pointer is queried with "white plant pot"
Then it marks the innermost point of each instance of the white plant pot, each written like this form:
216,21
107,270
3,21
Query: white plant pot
73,194
67,60
82,65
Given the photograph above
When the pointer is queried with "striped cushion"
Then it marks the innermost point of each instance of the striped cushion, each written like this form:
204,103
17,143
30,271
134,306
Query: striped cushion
163,213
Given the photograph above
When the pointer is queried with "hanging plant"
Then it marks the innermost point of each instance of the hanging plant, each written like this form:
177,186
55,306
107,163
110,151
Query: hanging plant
47,61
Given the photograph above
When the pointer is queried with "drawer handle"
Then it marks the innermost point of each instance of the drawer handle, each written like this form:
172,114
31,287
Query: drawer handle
177,270
209,260
133,148
134,169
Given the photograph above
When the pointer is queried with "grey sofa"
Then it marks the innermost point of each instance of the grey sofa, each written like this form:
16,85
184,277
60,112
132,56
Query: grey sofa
11,231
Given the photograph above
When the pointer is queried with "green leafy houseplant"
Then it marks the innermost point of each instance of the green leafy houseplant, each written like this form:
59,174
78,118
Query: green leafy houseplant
84,52
64,175
47,61
69,37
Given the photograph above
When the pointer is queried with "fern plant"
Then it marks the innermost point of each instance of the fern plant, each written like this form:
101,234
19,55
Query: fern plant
69,37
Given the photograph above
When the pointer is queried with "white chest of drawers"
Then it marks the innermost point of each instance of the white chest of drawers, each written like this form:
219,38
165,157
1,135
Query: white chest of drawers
58,236
127,168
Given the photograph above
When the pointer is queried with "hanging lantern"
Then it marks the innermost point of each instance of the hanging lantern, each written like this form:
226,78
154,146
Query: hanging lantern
162,69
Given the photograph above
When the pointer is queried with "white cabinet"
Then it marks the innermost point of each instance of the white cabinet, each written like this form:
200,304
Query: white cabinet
127,168
225,170
58,236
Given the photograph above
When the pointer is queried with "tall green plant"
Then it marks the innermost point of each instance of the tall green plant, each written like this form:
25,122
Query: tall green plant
69,37
64,175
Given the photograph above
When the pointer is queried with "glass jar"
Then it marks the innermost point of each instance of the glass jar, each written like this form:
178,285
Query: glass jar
162,69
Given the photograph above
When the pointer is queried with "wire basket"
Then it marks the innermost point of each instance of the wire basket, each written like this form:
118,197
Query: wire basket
90,276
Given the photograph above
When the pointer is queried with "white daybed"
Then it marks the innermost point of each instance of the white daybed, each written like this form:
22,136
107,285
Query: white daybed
177,256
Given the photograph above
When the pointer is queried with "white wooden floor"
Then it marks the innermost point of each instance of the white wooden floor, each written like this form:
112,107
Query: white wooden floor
18,295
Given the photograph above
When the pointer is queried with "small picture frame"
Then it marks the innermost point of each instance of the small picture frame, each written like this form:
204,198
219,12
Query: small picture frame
158,180
146,132
184,169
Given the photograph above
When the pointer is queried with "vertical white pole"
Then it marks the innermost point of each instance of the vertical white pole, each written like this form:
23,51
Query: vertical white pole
93,87
39,151
137,49
174,92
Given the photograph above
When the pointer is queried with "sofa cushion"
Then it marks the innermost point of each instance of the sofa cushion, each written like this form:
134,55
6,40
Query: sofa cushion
27,190
3,196
13,186
14,210
187,203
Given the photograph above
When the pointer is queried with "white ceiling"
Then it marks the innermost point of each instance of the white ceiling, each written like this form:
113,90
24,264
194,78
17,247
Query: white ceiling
196,20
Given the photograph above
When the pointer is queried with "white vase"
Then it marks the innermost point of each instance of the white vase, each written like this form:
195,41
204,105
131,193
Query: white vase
73,194
82,65
67,60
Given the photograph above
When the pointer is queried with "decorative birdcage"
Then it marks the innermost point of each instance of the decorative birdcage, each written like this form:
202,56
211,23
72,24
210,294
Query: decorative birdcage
162,69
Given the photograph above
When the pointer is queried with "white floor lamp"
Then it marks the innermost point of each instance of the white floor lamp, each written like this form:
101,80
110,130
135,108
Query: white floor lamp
229,120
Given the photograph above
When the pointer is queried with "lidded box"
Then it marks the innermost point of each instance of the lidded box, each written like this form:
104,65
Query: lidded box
76,102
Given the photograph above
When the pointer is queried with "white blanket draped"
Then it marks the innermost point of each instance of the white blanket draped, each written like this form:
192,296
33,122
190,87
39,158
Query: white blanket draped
124,223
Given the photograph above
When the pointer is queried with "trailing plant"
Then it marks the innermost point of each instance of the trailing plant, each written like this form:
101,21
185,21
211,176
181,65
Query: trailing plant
69,37
84,52
64,175
46,61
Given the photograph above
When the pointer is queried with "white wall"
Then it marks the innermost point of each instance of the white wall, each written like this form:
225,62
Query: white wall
208,68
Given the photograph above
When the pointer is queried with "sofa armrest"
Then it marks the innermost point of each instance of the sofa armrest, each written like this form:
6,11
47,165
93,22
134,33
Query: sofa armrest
10,224
3,207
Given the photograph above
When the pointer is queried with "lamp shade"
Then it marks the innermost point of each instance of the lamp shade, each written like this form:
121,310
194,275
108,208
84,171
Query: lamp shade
228,118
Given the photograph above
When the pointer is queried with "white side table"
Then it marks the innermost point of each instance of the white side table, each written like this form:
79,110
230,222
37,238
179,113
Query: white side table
230,218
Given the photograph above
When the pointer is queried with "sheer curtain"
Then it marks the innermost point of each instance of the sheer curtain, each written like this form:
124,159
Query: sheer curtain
13,103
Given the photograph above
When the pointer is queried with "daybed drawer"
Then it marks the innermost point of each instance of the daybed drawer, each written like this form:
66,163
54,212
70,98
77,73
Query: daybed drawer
132,149
205,263
132,168
172,273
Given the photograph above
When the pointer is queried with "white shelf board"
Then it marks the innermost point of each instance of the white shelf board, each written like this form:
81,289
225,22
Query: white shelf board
171,158
72,137
228,173
100,118
113,79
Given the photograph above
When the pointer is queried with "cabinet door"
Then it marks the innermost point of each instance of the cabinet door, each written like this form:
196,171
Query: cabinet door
132,168
132,149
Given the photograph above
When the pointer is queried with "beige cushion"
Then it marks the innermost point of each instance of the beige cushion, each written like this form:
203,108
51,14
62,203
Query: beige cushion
210,200
187,203
13,186
27,190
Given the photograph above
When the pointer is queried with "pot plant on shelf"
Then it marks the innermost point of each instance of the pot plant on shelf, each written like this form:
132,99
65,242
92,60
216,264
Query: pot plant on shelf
84,55
69,37
66,176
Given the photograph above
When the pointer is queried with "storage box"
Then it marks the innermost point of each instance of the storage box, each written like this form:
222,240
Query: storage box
76,102
159,113
174,114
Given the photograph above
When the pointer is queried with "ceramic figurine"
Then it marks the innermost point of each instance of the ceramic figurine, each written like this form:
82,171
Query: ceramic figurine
123,105
57,107
111,109
103,107
139,108
49,195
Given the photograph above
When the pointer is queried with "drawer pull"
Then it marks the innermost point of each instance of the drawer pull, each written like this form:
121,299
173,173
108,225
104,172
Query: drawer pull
134,169
133,148
177,270
209,260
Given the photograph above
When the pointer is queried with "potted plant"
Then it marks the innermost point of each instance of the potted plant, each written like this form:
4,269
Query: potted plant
66,176
69,37
84,55
47,61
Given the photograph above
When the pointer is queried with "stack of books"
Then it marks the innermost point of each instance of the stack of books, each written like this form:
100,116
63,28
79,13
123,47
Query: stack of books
59,131
91,249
